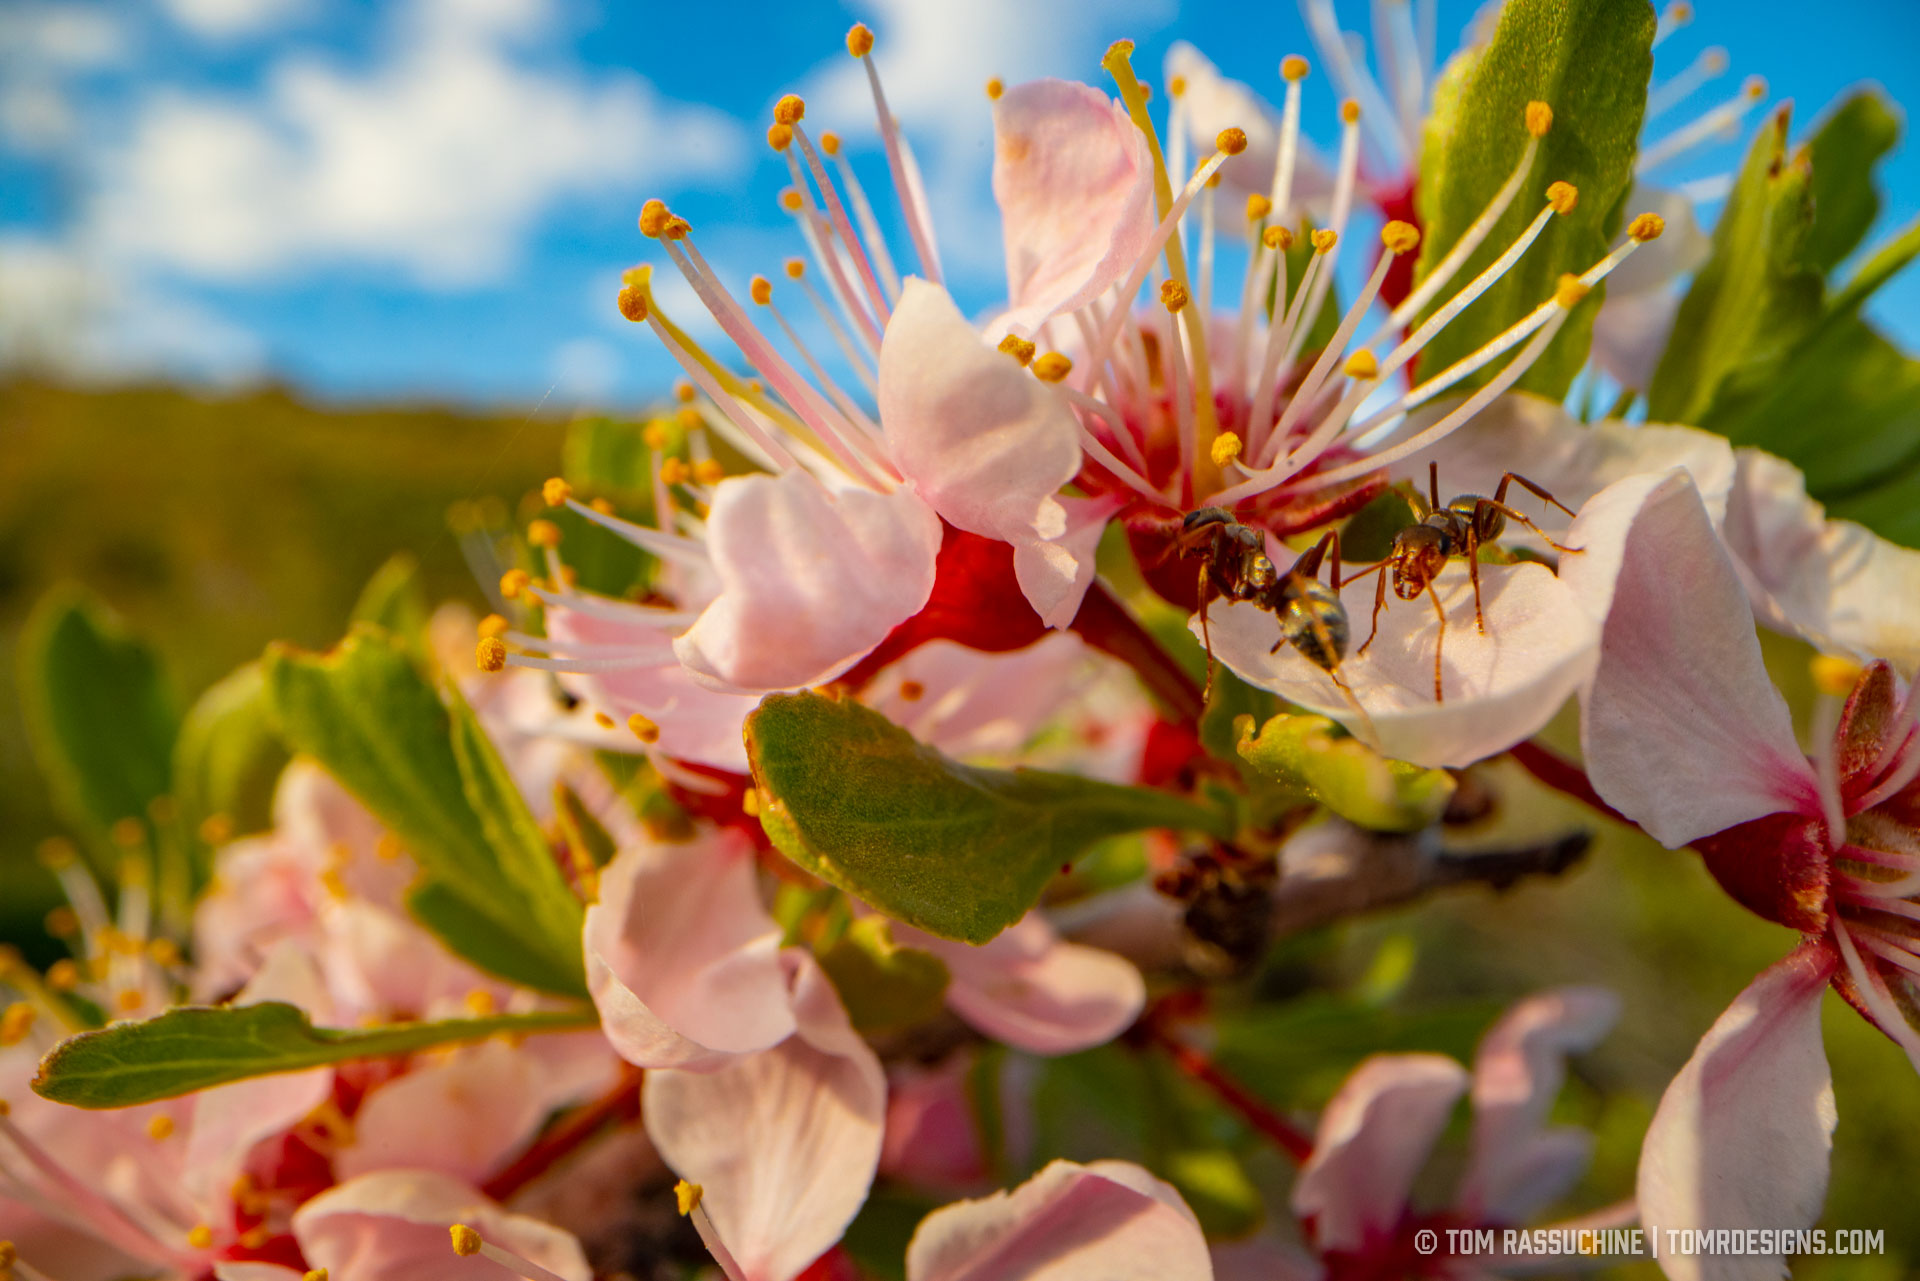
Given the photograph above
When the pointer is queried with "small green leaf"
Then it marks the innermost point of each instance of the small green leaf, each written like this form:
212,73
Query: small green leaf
99,715
1216,1188
228,757
583,832
1850,142
366,713
884,985
1758,294
195,1047
393,599
600,559
478,936
1314,757
956,851
611,457
1590,61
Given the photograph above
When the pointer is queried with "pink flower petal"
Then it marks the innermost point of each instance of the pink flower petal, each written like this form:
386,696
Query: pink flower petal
1683,730
1519,1166
1373,1138
462,1115
983,440
1838,584
974,705
810,579
1108,1221
1034,992
1742,1135
932,1138
1054,573
784,1143
682,960
1075,186
237,1270
392,1226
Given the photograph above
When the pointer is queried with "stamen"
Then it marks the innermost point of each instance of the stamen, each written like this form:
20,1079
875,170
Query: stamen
1720,121
838,214
906,174
643,729
101,1216
674,547
1709,66
817,230
1873,992
861,363
467,1242
1672,18
1354,80
490,655
867,438
863,214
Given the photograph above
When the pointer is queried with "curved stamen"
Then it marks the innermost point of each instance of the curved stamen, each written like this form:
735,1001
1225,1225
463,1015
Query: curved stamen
863,214
1709,66
906,174
1873,992
1354,79
837,213
674,547
1720,121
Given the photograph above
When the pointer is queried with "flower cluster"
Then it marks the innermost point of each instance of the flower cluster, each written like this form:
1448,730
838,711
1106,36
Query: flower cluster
984,692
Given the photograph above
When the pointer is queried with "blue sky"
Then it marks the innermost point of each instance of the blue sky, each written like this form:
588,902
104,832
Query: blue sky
435,198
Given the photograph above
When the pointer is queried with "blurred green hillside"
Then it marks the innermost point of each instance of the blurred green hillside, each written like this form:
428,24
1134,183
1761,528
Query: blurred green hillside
214,525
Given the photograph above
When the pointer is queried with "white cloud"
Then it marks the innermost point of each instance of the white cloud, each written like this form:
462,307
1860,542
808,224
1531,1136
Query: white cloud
437,160
585,371
232,19
42,50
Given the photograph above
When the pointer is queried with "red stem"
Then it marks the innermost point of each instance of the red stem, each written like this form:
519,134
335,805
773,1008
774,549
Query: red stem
621,1103
1291,1139
1105,624
1562,775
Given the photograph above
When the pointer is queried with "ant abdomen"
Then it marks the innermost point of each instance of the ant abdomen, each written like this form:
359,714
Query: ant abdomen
1314,622
1486,518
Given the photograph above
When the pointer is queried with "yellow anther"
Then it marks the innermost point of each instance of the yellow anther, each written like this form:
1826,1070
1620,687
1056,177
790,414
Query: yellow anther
688,416
790,110
1052,367
1563,196
677,228
56,852
830,143
912,691
555,491
514,582
1324,240
465,1240
160,1126
1173,296
687,1196
215,829
654,434
493,625
491,654
1231,141
9,1254
1569,291
779,136
165,952
601,505
761,289
632,304
708,471
1834,675
654,217
1277,238
1681,14
1539,119
63,975
1293,67
1648,226
1350,112
684,391
543,533
1400,237
1258,207
603,720
5,1107
790,200
316,1274
128,1001
480,1003
1755,87
1226,448
63,922
674,471
128,832
995,87
1714,60
388,848
750,799
859,40
1017,347
1177,86
796,268
200,1236
643,728
15,1023
1363,365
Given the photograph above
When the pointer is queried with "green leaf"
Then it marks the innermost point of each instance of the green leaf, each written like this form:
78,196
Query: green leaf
228,757
478,936
366,713
600,559
1590,61
884,985
99,714
1759,293
611,457
1313,757
957,851
1849,143
195,1047
583,832
1216,1188
394,599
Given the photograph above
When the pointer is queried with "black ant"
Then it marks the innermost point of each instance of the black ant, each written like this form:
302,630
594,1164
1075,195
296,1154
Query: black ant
1458,530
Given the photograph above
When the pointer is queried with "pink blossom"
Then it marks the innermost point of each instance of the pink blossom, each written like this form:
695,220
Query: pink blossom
393,1226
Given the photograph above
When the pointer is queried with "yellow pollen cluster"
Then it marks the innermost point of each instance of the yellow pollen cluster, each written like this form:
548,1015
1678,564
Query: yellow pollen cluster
160,1128
200,1237
1539,119
1226,448
912,691
654,434
683,391
1258,207
632,304
1231,141
1648,226
63,975
543,533
1714,60
491,654
15,1023
513,582
1017,347
317,1274
1350,111
1400,237
603,720
1325,239
779,136
859,40
63,922
1173,296
796,268
1570,291
128,832
1563,196
1755,87
1833,675
643,729
708,471
687,1196
762,290
750,799
1363,364
790,109
480,1003
654,217
1177,86
1277,238
555,492
1293,68
674,471
790,200
1052,367
465,1240
995,87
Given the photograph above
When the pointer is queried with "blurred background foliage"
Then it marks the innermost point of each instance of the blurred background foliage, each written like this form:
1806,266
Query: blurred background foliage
212,526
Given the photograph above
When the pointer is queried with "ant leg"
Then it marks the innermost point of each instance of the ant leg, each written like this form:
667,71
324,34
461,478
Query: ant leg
1206,632
1500,494
1379,602
1439,638
1433,483
1473,572
1511,514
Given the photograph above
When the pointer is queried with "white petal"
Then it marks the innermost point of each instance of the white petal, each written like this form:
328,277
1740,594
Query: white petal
392,1226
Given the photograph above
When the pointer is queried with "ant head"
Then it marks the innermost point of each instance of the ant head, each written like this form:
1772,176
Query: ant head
1419,554
1206,516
